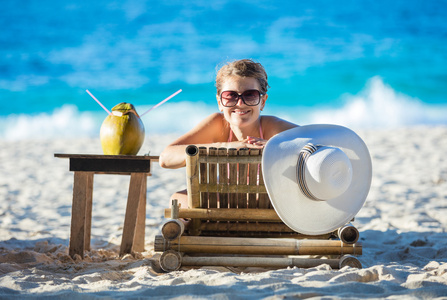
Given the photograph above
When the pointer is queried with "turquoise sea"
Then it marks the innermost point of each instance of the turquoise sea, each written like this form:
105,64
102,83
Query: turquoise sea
362,64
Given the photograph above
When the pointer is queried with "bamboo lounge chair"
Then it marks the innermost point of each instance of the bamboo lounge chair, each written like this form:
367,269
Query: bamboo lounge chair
231,221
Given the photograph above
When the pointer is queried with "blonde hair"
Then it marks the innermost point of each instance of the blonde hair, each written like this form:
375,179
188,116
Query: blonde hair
242,68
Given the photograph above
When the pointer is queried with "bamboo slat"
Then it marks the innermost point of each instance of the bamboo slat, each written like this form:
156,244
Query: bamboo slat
242,176
223,177
233,188
212,178
233,178
263,201
246,227
253,180
265,234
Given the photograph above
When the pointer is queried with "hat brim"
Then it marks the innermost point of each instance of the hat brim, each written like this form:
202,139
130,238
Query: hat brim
279,168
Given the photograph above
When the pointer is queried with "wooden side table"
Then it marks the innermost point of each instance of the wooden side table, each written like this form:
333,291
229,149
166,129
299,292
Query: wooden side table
84,167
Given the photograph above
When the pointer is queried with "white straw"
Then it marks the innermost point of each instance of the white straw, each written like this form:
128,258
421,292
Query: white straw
99,102
157,105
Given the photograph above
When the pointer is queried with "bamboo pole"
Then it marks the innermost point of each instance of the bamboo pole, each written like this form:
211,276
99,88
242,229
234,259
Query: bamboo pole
174,209
351,261
172,229
228,214
261,262
348,234
170,261
259,246
203,177
192,176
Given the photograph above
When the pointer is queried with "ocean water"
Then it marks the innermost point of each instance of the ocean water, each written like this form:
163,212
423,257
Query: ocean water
362,64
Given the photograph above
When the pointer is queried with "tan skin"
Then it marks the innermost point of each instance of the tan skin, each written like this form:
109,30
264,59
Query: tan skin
244,122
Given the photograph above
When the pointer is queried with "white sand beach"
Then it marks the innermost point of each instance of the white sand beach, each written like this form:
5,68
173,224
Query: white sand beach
403,228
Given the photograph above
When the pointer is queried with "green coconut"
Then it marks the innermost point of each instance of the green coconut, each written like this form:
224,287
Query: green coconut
122,132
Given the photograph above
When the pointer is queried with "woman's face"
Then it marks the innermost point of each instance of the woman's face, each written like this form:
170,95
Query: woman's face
241,115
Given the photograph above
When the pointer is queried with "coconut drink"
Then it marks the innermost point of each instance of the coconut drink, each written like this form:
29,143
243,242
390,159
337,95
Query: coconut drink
122,132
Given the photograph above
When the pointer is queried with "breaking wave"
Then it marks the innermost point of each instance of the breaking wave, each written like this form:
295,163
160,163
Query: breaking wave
378,105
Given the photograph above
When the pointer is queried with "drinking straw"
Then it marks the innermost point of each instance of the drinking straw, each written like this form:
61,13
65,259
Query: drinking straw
157,105
99,102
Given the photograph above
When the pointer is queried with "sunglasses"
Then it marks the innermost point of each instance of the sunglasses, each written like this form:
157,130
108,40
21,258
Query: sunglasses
249,97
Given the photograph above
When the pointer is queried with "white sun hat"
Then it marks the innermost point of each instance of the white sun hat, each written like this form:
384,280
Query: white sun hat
317,176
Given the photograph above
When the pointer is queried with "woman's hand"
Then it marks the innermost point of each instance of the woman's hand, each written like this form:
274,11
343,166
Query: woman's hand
255,141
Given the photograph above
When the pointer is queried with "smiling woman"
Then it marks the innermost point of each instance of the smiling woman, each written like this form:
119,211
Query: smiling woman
241,96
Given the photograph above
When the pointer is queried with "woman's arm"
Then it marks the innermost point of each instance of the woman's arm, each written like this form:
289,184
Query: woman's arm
208,133
211,133
173,156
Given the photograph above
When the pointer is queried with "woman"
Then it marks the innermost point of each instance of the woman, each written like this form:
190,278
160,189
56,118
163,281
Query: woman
241,96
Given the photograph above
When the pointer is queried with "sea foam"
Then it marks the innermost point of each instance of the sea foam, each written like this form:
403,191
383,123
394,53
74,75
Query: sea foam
378,105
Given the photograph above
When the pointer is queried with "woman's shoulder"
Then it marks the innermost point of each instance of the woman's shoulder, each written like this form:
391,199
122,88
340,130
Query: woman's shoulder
211,123
214,118
273,120
272,125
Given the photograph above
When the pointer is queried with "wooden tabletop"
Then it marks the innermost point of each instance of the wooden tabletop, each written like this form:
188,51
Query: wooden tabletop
102,156
109,164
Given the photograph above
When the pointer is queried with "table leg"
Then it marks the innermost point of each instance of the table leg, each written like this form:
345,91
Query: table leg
88,212
81,192
138,241
133,199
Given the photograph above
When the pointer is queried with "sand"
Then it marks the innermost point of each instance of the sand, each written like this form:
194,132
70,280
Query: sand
402,225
